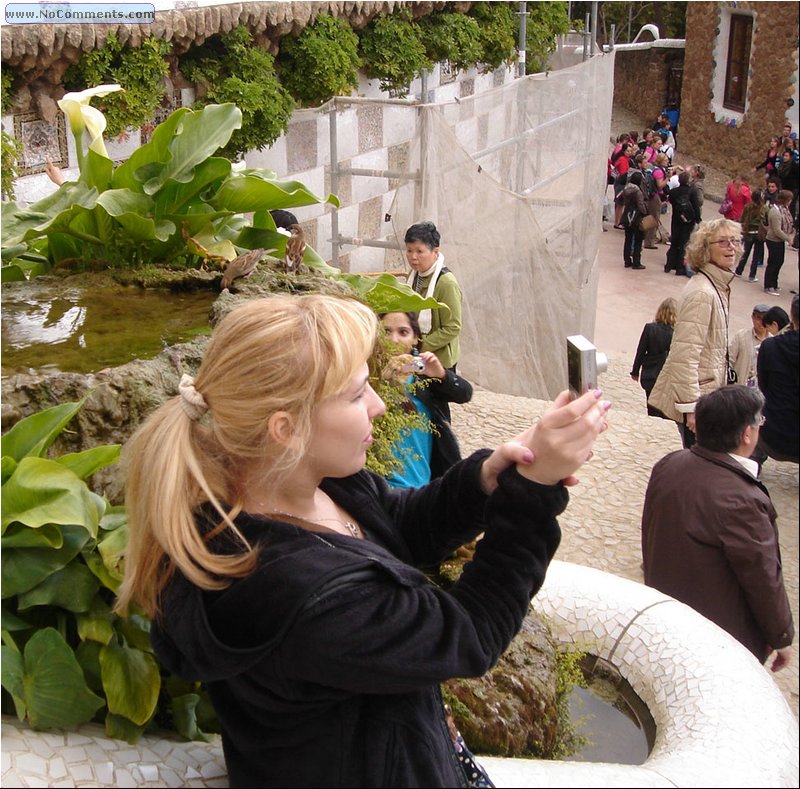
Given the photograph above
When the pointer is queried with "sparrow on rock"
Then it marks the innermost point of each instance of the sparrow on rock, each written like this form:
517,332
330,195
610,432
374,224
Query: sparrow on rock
295,249
242,266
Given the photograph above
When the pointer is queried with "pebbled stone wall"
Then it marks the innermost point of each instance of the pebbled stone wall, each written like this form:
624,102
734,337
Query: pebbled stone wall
706,129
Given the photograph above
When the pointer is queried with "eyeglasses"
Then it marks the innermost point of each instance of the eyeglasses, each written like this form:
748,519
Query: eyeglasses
760,421
728,242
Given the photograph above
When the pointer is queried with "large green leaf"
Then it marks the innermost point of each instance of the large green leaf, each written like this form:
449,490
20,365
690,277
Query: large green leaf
199,134
119,727
97,624
147,160
43,491
76,219
24,568
12,273
176,197
243,193
12,622
112,549
84,464
18,535
131,680
386,293
72,587
184,716
9,466
135,629
18,221
54,688
34,434
12,672
97,170
135,213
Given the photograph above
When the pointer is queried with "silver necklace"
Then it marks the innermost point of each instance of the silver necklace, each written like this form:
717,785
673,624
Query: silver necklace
353,528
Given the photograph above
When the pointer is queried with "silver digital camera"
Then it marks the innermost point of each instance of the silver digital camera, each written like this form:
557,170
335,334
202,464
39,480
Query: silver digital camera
416,365
584,364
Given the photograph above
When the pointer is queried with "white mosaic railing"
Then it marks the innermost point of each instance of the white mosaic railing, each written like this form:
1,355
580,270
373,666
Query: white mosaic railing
721,720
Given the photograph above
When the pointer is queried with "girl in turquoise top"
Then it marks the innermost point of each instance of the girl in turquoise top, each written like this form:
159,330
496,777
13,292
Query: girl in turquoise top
424,453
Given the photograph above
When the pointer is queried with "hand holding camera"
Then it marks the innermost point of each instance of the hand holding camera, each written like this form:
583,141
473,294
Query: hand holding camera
553,449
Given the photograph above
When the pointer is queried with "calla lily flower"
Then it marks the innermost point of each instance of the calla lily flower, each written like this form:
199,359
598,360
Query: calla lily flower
83,117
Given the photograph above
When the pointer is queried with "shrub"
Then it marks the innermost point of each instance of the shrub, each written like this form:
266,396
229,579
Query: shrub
11,147
321,62
453,37
140,71
546,21
497,30
393,52
229,68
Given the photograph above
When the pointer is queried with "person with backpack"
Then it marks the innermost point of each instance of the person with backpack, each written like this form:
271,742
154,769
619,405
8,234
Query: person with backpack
683,222
634,208
656,188
623,164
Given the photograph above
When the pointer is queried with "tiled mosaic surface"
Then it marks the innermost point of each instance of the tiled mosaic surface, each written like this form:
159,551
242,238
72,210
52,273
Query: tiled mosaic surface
701,686
41,141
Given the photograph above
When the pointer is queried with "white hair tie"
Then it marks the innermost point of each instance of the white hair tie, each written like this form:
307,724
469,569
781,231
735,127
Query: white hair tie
192,402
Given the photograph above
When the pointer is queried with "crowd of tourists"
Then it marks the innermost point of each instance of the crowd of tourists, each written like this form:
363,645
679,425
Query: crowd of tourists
647,184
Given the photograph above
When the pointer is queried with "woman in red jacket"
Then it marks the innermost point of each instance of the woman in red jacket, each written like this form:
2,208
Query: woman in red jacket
737,193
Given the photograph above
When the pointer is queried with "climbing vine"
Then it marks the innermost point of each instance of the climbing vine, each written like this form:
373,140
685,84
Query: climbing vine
141,72
10,147
321,62
230,68
393,52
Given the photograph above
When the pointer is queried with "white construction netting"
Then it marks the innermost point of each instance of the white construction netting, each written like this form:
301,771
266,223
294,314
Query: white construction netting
520,220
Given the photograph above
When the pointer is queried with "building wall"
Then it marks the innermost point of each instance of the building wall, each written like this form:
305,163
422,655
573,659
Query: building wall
641,77
712,133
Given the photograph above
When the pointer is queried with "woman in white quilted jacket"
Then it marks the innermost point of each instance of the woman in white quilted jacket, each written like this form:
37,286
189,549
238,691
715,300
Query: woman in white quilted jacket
698,356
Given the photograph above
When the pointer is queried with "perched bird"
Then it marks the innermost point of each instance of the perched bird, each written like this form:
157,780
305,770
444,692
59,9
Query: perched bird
295,249
242,266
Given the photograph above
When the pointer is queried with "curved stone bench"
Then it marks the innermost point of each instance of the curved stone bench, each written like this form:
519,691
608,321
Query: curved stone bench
721,721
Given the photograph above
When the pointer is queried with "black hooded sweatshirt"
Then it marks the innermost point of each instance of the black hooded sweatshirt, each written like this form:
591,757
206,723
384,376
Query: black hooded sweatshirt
324,663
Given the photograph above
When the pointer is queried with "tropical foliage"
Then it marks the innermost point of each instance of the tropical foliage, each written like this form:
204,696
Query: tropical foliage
173,201
230,68
65,657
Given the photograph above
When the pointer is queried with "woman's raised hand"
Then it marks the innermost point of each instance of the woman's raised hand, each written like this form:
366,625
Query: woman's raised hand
556,446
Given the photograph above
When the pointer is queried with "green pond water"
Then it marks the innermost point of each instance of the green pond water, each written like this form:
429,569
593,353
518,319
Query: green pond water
54,326
616,723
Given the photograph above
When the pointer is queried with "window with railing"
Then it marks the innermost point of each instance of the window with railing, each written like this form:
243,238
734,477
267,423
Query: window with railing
738,65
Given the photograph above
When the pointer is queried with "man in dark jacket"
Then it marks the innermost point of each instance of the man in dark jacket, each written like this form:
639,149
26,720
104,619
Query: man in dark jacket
709,535
778,366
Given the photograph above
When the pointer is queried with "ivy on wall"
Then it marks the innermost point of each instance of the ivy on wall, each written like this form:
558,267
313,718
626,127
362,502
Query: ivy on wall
393,52
229,68
321,62
10,147
140,71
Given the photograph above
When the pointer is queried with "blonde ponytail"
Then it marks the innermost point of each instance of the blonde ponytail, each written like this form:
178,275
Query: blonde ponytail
283,353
